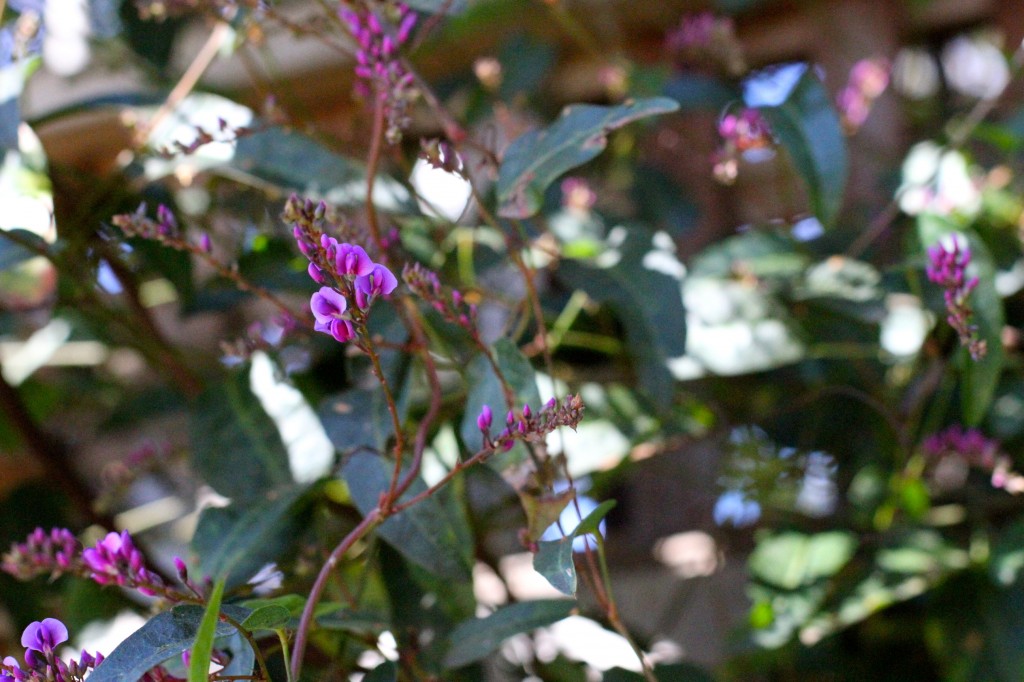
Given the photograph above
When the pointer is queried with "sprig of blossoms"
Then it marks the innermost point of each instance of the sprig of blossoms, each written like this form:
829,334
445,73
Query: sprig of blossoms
529,425
40,640
947,267
868,80
740,132
113,560
450,303
378,67
351,280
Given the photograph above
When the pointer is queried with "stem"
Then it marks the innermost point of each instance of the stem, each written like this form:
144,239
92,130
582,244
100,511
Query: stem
306,620
282,637
188,80
371,169
252,642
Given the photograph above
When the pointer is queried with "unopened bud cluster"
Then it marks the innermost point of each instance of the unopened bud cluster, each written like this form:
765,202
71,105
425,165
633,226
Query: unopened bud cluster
529,425
164,229
450,303
868,80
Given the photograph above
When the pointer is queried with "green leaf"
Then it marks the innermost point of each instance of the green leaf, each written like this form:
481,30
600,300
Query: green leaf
425,534
475,639
269,617
237,541
385,672
485,389
553,560
236,446
790,559
163,637
202,648
642,284
594,518
807,125
696,91
536,159
352,419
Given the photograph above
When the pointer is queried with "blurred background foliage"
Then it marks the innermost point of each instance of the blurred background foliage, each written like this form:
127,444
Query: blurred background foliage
773,396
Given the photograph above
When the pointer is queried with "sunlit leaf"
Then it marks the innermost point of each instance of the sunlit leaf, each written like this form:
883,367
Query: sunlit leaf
807,125
475,639
790,559
536,159
269,617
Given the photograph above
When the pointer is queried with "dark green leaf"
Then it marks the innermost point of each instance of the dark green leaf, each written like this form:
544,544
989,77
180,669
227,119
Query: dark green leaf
425,533
698,91
236,446
385,672
202,647
647,299
553,560
536,159
269,617
807,125
165,636
351,419
237,541
485,389
475,639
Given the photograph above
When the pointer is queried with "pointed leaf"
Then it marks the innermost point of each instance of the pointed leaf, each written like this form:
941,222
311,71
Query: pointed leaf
594,518
543,509
553,560
237,448
473,640
163,637
269,617
202,648
536,159
807,125
385,672
425,534
237,541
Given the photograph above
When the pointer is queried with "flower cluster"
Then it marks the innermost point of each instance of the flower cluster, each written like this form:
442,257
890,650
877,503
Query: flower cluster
529,425
378,67
40,639
706,39
740,132
868,80
450,303
43,553
114,560
351,280
947,267
950,453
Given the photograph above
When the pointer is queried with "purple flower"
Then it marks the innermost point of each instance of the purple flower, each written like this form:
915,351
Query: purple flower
379,281
484,420
116,560
327,305
947,267
43,636
352,260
